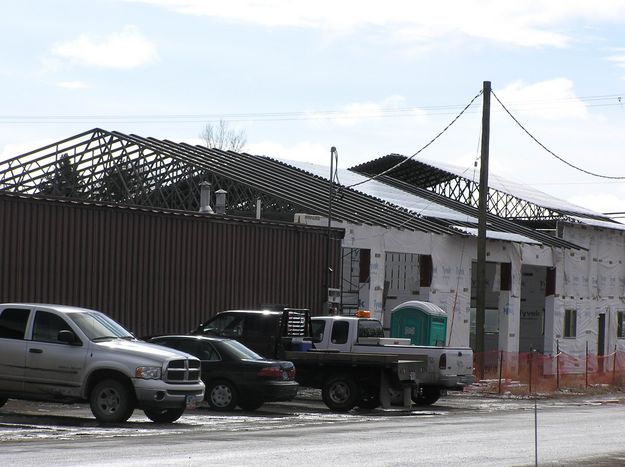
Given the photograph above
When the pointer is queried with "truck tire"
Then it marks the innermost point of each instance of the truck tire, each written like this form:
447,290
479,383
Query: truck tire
164,415
221,395
3,400
426,395
340,393
111,401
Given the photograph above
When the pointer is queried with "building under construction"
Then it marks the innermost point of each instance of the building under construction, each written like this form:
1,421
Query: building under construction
555,271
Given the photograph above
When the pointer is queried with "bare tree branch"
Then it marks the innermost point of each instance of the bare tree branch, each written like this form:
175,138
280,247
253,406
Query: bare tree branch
221,136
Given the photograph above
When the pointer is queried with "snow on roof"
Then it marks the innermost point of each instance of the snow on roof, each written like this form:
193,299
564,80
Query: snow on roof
496,235
385,192
598,223
516,189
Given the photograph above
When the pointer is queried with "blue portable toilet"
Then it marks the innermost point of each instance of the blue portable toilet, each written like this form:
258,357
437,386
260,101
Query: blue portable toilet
422,322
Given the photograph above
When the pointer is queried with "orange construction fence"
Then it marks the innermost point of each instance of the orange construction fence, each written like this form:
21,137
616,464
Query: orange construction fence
534,372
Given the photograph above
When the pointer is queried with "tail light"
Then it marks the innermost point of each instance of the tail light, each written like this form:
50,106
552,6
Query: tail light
442,362
274,372
270,372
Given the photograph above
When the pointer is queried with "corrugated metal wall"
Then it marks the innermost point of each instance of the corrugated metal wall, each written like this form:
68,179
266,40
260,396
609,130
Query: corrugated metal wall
156,271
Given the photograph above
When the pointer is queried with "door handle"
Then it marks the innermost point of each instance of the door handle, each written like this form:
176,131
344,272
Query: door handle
35,350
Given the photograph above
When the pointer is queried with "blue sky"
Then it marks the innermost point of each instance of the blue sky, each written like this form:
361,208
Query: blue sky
368,77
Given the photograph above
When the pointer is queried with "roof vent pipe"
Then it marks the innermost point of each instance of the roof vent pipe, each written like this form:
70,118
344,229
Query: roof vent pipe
205,197
220,201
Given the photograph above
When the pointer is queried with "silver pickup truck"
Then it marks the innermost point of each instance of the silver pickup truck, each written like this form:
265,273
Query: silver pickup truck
67,354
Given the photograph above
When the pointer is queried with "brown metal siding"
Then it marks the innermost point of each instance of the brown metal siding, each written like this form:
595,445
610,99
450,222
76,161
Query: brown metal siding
155,271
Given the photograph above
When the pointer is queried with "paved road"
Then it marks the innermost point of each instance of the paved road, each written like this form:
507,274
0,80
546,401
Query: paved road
464,430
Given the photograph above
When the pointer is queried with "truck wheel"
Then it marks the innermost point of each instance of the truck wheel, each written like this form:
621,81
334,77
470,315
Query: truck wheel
251,404
221,396
164,415
3,400
111,401
426,395
340,393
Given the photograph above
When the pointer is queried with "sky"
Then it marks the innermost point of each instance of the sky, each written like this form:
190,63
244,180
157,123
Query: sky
297,77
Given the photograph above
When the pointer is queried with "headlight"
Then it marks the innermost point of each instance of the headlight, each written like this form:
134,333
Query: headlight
148,372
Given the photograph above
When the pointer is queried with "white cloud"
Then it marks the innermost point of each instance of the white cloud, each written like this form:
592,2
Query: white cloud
12,150
599,201
51,65
305,151
531,23
619,58
553,99
71,85
125,49
357,113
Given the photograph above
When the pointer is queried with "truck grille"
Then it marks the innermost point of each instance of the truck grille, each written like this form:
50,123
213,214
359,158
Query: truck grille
182,371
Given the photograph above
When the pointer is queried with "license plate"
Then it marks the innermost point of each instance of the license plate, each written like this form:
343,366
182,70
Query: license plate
191,402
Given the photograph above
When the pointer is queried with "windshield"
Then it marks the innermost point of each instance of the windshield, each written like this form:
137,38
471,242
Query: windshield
98,326
238,350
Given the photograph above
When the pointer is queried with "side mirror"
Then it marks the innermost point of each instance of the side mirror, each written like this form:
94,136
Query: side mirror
68,337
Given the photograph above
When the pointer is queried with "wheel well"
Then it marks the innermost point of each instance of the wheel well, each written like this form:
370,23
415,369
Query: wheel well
101,375
362,377
345,377
367,382
222,380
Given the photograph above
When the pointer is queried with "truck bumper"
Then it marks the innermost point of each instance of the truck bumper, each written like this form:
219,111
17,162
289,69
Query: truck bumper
272,391
456,382
159,394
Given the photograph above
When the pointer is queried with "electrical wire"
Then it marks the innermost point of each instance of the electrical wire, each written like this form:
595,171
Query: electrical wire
611,177
423,148
607,100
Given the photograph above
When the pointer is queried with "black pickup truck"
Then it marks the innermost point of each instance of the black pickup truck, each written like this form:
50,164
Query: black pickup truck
267,332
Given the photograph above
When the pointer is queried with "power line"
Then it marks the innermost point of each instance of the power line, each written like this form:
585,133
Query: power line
296,115
550,151
607,100
423,148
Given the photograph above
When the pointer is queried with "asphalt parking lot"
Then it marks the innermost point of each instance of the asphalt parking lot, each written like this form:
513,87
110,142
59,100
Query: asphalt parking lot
574,429
24,420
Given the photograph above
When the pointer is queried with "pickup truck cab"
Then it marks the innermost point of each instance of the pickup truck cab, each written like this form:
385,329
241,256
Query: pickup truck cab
67,354
260,330
448,368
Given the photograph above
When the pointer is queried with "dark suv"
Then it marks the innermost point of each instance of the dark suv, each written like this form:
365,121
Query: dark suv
263,331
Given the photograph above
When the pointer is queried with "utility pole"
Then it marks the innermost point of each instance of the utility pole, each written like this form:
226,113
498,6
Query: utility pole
480,315
333,156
